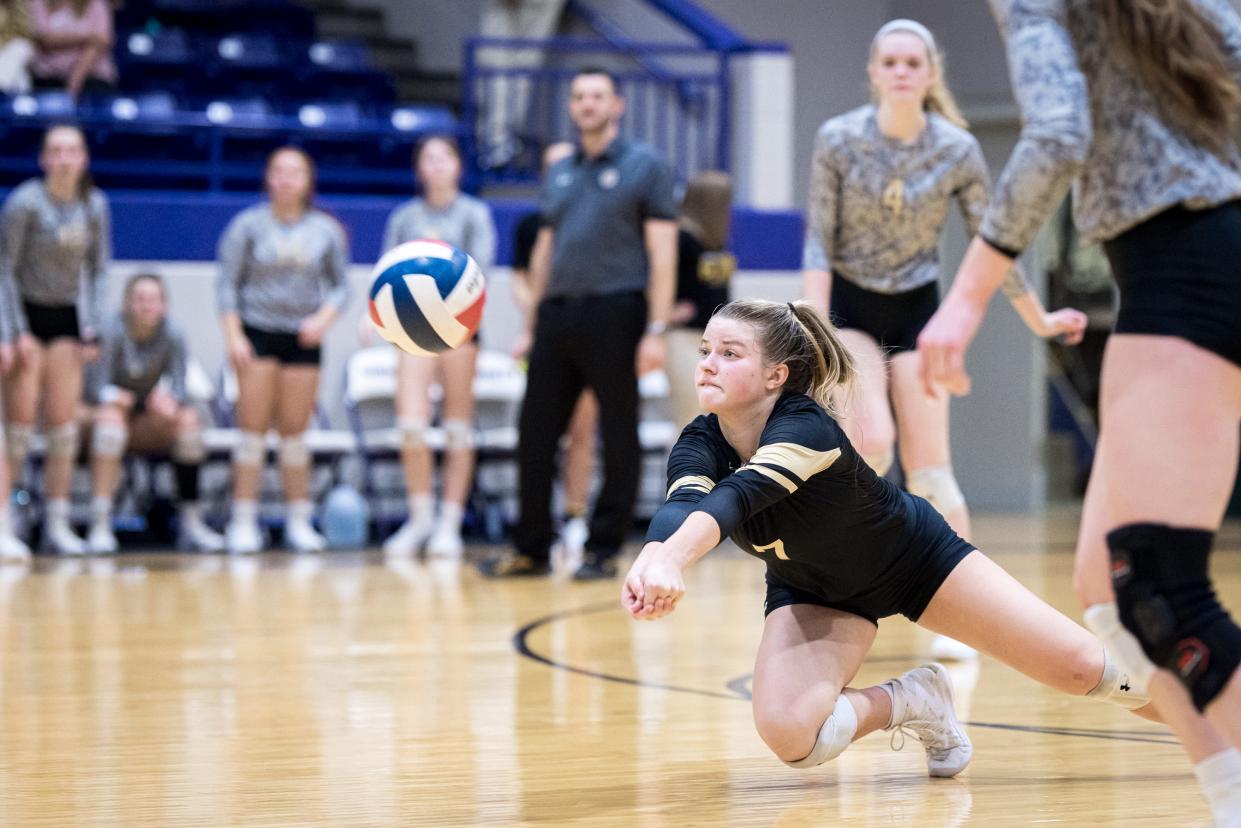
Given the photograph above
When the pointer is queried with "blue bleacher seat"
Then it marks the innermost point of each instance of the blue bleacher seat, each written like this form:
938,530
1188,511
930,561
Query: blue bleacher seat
246,64
343,70
162,60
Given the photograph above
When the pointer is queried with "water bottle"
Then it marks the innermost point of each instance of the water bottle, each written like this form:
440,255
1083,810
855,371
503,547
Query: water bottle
346,518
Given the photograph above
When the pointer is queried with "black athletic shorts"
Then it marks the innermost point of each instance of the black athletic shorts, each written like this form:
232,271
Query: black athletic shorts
894,320
905,589
51,322
1178,276
280,346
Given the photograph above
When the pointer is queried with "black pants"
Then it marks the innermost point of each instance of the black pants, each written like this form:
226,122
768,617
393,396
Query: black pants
578,343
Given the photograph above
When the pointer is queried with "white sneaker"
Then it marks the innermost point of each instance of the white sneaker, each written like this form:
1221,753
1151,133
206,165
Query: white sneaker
198,536
922,704
302,537
100,540
571,546
408,539
944,648
243,537
445,543
12,548
59,538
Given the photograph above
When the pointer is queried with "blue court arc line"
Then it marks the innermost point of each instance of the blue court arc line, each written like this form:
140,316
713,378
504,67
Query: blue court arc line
739,687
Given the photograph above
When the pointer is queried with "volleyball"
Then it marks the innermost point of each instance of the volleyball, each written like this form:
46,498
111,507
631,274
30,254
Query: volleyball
427,297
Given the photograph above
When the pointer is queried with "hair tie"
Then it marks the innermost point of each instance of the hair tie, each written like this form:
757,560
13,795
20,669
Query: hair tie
792,309
904,24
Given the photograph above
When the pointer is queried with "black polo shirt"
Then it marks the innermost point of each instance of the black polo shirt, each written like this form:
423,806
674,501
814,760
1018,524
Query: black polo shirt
597,208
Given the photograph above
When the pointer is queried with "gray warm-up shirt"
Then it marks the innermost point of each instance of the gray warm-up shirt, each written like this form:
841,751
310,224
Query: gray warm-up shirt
54,253
1089,121
877,206
274,274
465,223
137,366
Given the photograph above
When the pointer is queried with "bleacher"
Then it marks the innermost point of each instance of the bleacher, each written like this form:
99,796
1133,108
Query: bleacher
209,87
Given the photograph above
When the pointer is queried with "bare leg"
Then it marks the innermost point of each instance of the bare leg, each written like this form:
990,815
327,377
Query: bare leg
579,465
62,391
413,409
1164,398
867,417
256,395
298,386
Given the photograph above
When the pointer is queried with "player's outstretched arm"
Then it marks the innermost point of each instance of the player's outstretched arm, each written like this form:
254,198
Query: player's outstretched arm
656,581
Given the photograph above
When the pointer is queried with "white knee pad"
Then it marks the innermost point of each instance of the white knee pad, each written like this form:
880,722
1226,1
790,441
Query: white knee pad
881,463
938,485
189,448
413,432
835,735
1118,687
293,451
108,439
62,440
19,437
250,449
458,435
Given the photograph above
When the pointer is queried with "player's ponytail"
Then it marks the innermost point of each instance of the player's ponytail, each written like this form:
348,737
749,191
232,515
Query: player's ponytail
1180,57
795,334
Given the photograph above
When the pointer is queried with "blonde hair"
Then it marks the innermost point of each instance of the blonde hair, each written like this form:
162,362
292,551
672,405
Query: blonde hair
939,97
706,209
1179,56
796,335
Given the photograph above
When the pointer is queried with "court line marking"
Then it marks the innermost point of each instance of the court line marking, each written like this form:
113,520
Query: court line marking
739,687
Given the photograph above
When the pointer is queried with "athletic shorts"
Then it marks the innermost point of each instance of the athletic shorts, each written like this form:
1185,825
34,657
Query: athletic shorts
51,322
1178,276
905,589
894,320
280,346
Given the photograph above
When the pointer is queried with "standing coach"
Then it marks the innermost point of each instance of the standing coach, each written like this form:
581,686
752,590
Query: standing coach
603,280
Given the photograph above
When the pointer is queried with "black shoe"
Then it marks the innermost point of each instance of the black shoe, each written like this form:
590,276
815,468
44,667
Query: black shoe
596,568
514,565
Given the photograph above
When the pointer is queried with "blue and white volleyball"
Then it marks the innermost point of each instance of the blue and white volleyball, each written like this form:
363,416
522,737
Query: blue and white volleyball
427,297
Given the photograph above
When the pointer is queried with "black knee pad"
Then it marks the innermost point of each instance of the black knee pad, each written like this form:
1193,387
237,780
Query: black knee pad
1164,594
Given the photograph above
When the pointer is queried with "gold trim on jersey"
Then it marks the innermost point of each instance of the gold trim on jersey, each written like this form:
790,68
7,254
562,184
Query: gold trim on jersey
700,482
773,474
796,459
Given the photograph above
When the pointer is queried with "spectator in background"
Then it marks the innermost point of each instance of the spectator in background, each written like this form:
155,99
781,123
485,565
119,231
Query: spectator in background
16,50
445,213
602,283
56,254
282,283
74,40
138,390
704,273
579,448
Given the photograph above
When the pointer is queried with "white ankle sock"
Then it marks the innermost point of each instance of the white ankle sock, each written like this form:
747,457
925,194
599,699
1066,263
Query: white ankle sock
246,511
1220,778
101,509
450,517
300,510
421,509
58,511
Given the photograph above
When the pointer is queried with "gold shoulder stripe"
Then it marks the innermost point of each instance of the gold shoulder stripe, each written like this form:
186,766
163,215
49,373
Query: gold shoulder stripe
800,461
773,474
692,481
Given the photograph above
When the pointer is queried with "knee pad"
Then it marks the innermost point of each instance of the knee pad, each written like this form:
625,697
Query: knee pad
19,437
108,439
1118,687
938,486
834,736
458,435
62,440
189,448
293,451
881,462
250,449
1165,600
413,432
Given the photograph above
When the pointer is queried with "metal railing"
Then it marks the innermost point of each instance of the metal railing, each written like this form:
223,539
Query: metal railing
515,95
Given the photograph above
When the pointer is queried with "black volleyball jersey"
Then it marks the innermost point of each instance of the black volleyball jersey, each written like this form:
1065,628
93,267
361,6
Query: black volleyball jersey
805,502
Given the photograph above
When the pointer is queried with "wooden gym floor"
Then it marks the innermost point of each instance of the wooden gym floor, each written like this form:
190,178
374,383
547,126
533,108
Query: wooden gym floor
166,690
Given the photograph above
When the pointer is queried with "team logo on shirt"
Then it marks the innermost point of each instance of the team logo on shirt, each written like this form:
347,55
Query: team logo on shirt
894,196
609,178
74,235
